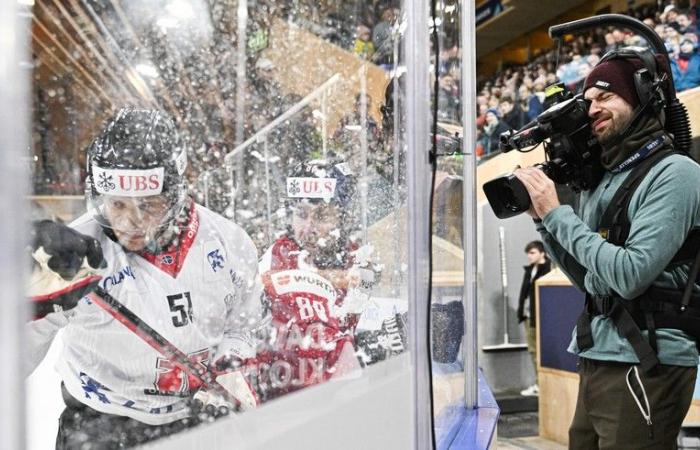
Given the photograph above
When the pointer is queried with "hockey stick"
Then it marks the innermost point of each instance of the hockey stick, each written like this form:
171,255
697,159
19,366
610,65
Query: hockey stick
130,320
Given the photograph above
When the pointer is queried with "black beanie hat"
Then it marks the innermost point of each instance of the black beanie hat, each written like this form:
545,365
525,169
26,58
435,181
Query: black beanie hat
616,75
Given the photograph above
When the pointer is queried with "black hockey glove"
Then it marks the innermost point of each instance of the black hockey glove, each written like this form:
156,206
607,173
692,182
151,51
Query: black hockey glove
65,263
378,345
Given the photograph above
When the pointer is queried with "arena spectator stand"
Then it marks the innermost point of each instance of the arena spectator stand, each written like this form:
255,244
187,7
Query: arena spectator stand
523,85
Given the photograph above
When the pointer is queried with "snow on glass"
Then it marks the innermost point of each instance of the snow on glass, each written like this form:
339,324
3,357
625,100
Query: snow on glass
249,118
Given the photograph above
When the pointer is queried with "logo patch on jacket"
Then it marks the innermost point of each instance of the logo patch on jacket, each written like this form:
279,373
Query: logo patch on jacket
216,260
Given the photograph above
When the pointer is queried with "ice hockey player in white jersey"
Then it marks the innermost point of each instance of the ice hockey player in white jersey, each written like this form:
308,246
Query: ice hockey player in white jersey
188,273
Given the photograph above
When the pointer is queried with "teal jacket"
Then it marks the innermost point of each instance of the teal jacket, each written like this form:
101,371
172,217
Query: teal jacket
665,206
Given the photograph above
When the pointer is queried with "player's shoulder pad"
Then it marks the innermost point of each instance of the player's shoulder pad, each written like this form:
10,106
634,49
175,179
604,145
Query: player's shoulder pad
277,256
227,231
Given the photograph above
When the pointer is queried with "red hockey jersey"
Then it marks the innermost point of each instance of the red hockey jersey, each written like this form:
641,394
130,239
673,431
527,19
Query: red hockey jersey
312,337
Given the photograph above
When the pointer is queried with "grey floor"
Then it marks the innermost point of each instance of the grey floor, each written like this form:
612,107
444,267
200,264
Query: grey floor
519,431
527,443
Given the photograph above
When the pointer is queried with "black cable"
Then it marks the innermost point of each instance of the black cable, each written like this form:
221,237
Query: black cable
433,170
436,83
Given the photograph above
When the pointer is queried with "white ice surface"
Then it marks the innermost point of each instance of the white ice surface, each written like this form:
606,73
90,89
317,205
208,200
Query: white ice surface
44,402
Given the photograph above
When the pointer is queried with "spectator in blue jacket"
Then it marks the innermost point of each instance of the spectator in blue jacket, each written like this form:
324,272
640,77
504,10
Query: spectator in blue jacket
531,104
493,128
686,66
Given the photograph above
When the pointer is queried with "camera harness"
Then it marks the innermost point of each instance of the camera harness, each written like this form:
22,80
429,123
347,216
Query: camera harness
657,307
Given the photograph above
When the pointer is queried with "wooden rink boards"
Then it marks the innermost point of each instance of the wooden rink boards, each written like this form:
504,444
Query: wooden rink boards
559,388
557,402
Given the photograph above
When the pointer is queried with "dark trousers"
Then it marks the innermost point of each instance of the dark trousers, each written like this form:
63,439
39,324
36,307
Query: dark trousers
82,428
607,416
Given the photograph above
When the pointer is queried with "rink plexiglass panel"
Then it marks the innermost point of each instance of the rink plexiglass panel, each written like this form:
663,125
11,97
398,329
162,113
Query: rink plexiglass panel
295,121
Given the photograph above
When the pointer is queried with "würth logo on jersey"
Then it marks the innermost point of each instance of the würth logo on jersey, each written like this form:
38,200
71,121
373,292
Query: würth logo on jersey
298,281
128,183
309,187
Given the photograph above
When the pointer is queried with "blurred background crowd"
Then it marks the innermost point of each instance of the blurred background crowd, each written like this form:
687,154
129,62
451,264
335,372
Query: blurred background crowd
514,96
201,91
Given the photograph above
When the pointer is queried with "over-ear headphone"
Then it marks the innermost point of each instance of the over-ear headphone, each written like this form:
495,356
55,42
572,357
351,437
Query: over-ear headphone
648,81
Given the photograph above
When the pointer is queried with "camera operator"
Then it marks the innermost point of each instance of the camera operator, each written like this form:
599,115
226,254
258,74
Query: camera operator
635,386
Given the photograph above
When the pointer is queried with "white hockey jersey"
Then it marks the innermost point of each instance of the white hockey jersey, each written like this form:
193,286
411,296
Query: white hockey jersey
199,297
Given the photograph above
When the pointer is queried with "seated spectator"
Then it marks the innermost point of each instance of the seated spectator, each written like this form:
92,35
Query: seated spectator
481,118
672,38
619,37
686,66
381,36
694,16
610,43
660,29
482,99
669,15
531,104
450,58
513,115
538,89
684,24
492,131
596,50
448,99
364,47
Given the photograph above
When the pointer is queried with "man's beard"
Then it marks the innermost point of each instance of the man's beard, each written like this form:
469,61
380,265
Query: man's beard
615,127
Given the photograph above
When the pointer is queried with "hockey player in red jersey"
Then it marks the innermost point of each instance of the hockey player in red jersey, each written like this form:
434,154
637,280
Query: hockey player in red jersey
186,272
316,279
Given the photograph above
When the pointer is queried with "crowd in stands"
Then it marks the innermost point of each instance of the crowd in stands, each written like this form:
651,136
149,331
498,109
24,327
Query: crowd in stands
514,96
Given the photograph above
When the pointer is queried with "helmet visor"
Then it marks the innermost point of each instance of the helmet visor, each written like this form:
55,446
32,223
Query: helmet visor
135,221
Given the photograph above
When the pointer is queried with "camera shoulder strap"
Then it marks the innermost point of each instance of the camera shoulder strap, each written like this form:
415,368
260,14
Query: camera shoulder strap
614,224
615,227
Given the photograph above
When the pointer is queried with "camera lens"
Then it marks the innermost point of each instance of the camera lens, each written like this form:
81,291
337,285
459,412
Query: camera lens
507,196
